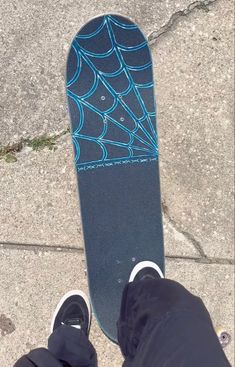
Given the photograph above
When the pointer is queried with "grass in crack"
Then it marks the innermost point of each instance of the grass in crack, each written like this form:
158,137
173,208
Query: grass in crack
10,158
8,152
14,148
42,142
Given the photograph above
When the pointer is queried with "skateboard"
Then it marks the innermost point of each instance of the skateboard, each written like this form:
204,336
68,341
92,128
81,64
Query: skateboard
110,94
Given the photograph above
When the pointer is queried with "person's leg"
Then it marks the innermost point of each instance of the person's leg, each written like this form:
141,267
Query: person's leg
68,345
40,357
72,347
163,324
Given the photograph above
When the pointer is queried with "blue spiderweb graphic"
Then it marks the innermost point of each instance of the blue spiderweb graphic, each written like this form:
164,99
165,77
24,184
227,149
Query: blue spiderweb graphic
110,95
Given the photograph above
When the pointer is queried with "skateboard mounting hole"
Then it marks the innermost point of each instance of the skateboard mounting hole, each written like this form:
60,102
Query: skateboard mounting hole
133,259
122,119
102,98
119,281
120,96
224,338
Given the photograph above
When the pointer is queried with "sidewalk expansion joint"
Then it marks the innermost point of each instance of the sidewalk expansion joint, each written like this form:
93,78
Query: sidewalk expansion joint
39,248
205,261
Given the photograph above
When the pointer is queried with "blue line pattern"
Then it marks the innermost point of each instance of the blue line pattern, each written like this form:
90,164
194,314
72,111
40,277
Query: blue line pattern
110,95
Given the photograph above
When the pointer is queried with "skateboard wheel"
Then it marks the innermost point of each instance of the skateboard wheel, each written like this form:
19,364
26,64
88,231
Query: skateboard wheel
224,336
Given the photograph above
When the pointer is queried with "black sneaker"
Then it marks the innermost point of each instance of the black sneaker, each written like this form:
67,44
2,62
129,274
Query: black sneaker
145,270
73,310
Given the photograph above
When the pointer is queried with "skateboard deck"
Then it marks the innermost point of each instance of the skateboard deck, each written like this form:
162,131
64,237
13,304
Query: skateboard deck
111,104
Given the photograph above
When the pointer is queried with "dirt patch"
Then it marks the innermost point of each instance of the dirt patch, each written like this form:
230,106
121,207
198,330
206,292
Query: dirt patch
6,325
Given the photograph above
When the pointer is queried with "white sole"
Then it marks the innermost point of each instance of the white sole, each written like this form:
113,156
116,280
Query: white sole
63,299
144,264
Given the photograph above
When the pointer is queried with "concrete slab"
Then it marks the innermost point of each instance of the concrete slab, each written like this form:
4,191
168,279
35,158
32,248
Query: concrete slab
39,204
194,70
189,58
38,198
35,39
32,283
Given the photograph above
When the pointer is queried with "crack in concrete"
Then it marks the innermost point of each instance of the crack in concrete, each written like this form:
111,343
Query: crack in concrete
186,234
216,260
199,260
201,5
36,248
36,143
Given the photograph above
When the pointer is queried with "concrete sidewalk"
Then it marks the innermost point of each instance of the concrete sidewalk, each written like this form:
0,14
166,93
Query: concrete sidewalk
40,227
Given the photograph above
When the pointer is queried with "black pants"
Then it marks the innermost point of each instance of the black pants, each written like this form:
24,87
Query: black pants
161,324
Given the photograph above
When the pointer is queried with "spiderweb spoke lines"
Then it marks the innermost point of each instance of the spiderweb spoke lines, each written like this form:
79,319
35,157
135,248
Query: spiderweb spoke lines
108,86
135,89
154,143
152,128
115,45
124,145
132,133
110,95
85,103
